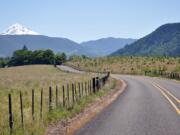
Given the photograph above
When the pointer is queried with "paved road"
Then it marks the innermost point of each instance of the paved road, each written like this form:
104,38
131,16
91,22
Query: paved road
69,69
145,108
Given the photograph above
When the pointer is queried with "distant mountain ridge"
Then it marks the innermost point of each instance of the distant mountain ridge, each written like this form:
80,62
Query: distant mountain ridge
164,41
10,43
17,35
102,47
106,46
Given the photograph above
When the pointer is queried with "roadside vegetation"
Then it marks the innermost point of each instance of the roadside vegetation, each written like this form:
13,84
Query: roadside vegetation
128,64
38,77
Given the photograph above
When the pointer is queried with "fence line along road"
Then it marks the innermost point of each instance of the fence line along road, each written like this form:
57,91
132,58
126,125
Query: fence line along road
69,96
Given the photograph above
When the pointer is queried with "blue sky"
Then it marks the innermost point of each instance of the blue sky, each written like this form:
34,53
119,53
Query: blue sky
82,20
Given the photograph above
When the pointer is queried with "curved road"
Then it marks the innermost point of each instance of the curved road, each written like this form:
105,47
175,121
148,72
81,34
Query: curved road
148,106
143,109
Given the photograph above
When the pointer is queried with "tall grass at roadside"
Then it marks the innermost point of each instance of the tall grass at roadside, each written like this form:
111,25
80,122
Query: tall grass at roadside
25,78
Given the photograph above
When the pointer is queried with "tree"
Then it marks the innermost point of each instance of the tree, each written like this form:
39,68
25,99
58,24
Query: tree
43,57
2,64
60,58
21,57
25,48
37,57
26,57
64,57
84,57
48,57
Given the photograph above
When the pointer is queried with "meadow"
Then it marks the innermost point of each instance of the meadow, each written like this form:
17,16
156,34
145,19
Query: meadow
37,78
128,64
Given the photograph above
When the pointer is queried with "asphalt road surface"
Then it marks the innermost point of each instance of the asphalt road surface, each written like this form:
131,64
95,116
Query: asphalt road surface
69,69
148,106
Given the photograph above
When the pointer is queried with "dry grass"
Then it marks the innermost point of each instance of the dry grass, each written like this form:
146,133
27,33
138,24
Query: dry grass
128,65
26,78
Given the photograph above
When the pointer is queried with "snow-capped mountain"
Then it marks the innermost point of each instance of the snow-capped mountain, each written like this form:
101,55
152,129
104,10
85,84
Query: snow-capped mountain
16,36
18,29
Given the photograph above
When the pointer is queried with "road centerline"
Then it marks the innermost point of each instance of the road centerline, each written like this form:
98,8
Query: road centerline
168,92
167,97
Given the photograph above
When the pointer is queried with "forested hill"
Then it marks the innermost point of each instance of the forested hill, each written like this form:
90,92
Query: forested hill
165,40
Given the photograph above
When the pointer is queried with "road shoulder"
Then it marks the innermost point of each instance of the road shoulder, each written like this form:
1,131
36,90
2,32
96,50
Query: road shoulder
71,125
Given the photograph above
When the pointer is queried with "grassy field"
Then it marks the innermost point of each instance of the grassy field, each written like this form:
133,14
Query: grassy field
25,78
128,65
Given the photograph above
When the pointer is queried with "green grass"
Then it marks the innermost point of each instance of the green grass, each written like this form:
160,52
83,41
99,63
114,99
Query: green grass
25,78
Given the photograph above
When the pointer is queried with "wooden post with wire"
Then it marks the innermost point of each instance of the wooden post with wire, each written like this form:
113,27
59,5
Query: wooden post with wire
33,105
63,96
10,114
56,96
41,103
21,108
50,99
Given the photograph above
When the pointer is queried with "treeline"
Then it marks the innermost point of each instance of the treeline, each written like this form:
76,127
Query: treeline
4,62
27,57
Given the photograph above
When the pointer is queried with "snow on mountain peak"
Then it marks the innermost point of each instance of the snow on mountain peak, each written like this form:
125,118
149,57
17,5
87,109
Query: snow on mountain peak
18,29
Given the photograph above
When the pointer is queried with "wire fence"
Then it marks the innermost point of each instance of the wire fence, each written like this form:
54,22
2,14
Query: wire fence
70,94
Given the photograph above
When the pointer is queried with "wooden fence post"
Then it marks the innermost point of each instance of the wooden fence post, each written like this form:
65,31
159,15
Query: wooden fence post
87,83
21,107
56,96
100,83
50,98
68,94
85,88
79,85
41,103
108,74
103,81
73,93
63,96
94,85
82,88
90,87
32,104
97,83
10,114
76,97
